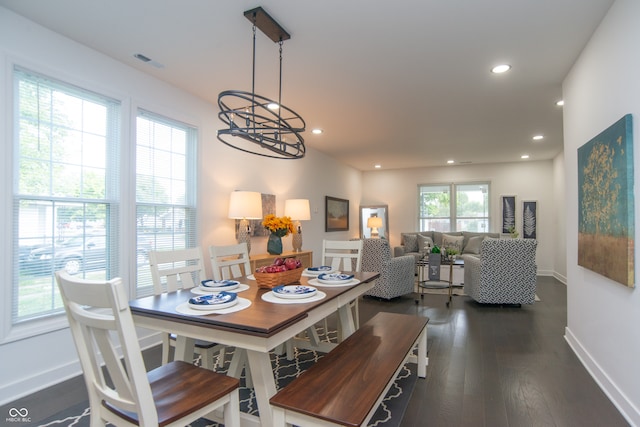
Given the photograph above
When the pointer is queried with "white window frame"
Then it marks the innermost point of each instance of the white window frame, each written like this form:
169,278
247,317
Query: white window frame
127,215
453,216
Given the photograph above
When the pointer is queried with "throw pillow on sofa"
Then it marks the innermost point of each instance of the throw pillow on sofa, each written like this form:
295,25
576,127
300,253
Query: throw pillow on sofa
410,243
452,242
474,245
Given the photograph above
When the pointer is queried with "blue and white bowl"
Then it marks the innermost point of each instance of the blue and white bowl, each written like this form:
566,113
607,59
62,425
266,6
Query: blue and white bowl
218,285
294,291
214,301
336,278
323,269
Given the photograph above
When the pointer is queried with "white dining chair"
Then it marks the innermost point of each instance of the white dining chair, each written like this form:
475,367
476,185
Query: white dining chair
344,255
230,262
175,394
182,269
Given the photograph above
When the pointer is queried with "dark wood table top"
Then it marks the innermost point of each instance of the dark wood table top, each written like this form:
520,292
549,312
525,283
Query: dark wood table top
261,318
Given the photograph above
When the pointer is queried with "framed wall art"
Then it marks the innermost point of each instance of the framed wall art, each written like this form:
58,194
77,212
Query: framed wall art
606,226
508,210
530,219
336,214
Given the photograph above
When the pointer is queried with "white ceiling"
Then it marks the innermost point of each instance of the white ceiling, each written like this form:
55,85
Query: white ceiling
402,83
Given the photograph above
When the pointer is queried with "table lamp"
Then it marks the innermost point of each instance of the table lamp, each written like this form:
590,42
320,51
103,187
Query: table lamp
245,205
374,223
298,210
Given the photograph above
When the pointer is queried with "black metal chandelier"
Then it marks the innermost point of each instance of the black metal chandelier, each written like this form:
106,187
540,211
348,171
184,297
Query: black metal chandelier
256,124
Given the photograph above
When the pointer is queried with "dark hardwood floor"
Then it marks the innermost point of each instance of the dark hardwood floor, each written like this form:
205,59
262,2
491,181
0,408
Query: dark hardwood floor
499,366
488,366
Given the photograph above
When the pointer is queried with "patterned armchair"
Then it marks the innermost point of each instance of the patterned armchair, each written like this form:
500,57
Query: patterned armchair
396,274
504,273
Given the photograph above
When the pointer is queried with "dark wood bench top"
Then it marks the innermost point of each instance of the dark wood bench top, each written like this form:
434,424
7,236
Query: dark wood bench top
347,382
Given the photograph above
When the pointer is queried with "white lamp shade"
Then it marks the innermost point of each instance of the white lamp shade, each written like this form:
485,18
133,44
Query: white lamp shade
374,222
245,205
297,209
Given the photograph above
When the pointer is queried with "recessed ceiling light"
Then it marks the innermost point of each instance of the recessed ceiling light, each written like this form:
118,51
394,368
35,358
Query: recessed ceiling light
450,161
524,156
502,68
560,103
316,131
377,166
273,106
538,137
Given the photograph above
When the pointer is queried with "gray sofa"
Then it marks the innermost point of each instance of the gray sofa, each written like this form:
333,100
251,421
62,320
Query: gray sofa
466,242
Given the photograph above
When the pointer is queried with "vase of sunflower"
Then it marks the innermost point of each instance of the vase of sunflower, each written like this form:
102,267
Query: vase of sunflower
279,227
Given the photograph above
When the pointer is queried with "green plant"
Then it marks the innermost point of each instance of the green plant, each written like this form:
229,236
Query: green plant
435,249
512,231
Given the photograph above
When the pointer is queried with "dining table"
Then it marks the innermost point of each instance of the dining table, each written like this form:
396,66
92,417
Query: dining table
262,324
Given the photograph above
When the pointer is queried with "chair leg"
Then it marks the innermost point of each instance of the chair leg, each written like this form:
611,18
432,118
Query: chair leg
166,343
356,314
206,356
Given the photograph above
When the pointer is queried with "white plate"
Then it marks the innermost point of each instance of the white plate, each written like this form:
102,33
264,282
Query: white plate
214,301
199,290
316,271
218,285
219,288
335,279
316,282
294,291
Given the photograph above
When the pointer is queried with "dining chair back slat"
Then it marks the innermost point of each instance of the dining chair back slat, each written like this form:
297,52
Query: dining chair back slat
177,269
343,255
102,328
230,262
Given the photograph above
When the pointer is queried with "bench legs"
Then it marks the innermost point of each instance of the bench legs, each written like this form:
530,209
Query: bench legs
421,358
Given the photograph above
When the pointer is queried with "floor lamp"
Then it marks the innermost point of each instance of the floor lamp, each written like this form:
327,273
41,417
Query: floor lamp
298,210
245,205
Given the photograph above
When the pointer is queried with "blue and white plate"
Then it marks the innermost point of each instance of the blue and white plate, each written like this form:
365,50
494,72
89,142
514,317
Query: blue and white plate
320,270
338,278
214,301
218,285
294,291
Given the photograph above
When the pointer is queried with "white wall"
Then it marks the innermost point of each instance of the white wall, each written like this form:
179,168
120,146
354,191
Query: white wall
527,180
604,316
36,362
560,197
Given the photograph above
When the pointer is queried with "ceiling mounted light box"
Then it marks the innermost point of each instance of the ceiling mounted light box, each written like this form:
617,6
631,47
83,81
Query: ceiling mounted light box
256,124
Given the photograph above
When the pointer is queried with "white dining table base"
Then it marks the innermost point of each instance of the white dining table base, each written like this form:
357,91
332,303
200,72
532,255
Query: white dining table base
259,362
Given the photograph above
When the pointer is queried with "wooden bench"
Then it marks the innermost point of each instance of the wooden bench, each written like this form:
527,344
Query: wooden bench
345,387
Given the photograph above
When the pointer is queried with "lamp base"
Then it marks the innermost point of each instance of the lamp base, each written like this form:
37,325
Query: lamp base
296,242
244,233
296,239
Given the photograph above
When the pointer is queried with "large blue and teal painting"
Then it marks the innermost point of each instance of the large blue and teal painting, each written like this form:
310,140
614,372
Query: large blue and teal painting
606,203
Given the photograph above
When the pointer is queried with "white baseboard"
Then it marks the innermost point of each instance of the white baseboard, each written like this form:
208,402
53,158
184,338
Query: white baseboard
628,410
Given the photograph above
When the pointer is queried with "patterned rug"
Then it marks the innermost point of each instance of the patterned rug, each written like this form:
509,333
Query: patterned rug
389,413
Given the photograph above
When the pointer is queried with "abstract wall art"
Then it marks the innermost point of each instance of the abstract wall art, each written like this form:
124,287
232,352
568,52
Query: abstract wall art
606,203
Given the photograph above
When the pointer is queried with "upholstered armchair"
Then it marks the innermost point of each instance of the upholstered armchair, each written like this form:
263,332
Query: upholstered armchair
396,274
504,272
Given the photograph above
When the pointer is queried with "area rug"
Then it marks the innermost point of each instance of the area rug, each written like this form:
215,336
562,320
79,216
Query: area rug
388,414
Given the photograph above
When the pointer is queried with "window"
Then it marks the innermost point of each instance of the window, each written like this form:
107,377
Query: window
454,207
165,189
65,190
